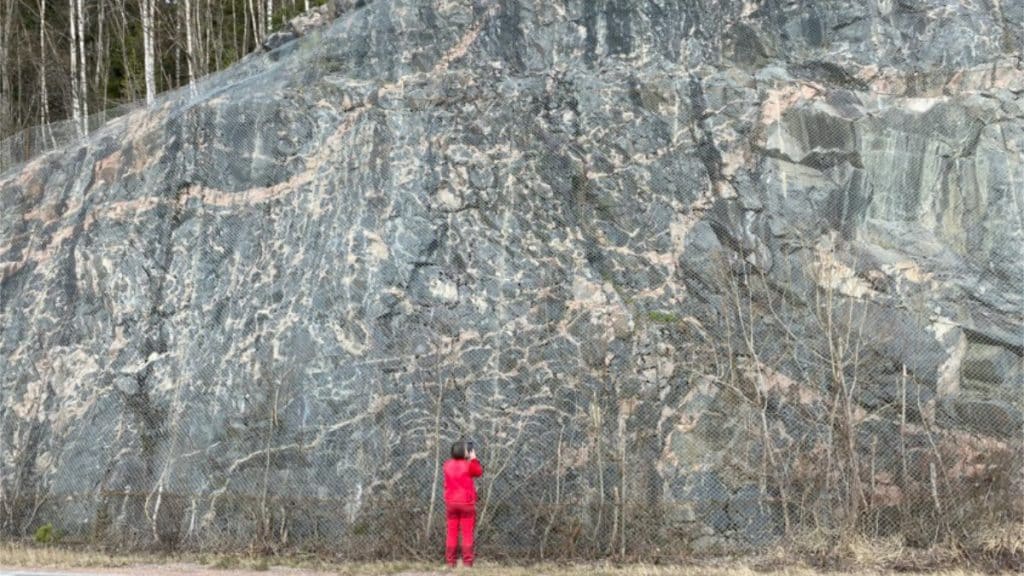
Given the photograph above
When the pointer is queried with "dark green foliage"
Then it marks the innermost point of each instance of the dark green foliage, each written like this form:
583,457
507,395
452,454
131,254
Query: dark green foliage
659,317
46,534
225,39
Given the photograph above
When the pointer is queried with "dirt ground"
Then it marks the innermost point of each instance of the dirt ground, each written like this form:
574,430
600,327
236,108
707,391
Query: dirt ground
17,559
482,569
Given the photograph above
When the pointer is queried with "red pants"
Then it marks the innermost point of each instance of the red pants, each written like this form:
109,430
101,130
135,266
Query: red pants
461,517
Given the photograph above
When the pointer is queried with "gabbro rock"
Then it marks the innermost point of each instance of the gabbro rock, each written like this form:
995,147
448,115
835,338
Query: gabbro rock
638,250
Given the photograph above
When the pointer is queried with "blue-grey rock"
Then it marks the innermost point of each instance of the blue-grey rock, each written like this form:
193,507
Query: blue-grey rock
635,249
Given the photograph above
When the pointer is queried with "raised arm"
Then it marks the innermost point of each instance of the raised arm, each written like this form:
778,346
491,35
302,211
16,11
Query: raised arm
475,468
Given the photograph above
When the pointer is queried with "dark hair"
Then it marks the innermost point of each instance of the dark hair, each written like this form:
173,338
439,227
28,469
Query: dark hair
459,450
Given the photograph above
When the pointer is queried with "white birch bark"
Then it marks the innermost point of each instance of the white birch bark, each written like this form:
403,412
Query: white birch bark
44,94
190,54
100,53
82,69
147,7
76,107
254,14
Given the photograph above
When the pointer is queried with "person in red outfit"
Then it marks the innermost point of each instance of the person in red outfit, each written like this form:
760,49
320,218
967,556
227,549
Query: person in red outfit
460,500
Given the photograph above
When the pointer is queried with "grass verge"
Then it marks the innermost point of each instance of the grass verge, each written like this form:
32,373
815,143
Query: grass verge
871,560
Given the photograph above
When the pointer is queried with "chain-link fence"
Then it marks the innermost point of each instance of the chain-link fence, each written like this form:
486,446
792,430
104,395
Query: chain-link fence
681,310
31,142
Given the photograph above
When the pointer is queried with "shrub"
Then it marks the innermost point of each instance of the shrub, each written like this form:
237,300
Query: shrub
660,317
46,534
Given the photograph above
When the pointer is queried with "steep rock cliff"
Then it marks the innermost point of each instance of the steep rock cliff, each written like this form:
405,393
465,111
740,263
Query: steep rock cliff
625,245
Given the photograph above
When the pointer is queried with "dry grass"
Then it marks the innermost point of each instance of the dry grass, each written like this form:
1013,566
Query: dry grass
24,555
867,553
86,561
1005,540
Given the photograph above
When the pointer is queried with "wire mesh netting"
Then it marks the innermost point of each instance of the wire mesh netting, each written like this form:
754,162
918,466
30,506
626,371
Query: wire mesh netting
680,309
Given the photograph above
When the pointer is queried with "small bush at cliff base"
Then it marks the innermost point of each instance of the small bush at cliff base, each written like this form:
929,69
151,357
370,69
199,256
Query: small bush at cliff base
45,534
226,562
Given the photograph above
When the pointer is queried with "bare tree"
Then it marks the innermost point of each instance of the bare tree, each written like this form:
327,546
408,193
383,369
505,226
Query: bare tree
44,103
131,90
256,20
147,9
93,59
76,89
83,75
204,35
6,100
99,81
190,55
213,53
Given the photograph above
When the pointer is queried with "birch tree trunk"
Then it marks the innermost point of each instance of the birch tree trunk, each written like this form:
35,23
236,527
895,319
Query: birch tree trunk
82,70
211,50
44,105
44,95
6,95
106,61
100,53
245,31
76,107
178,25
214,45
190,55
147,7
17,118
254,11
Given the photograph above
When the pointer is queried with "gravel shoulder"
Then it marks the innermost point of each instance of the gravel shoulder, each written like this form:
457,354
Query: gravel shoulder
181,569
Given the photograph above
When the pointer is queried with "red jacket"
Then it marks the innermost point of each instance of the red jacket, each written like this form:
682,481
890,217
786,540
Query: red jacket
458,481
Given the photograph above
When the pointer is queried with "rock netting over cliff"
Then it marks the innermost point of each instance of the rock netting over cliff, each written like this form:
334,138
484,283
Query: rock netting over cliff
706,271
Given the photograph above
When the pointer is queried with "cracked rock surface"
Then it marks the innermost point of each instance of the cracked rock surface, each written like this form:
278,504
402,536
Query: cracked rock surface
595,236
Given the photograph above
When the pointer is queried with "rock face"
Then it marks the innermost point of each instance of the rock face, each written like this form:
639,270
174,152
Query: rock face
643,252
